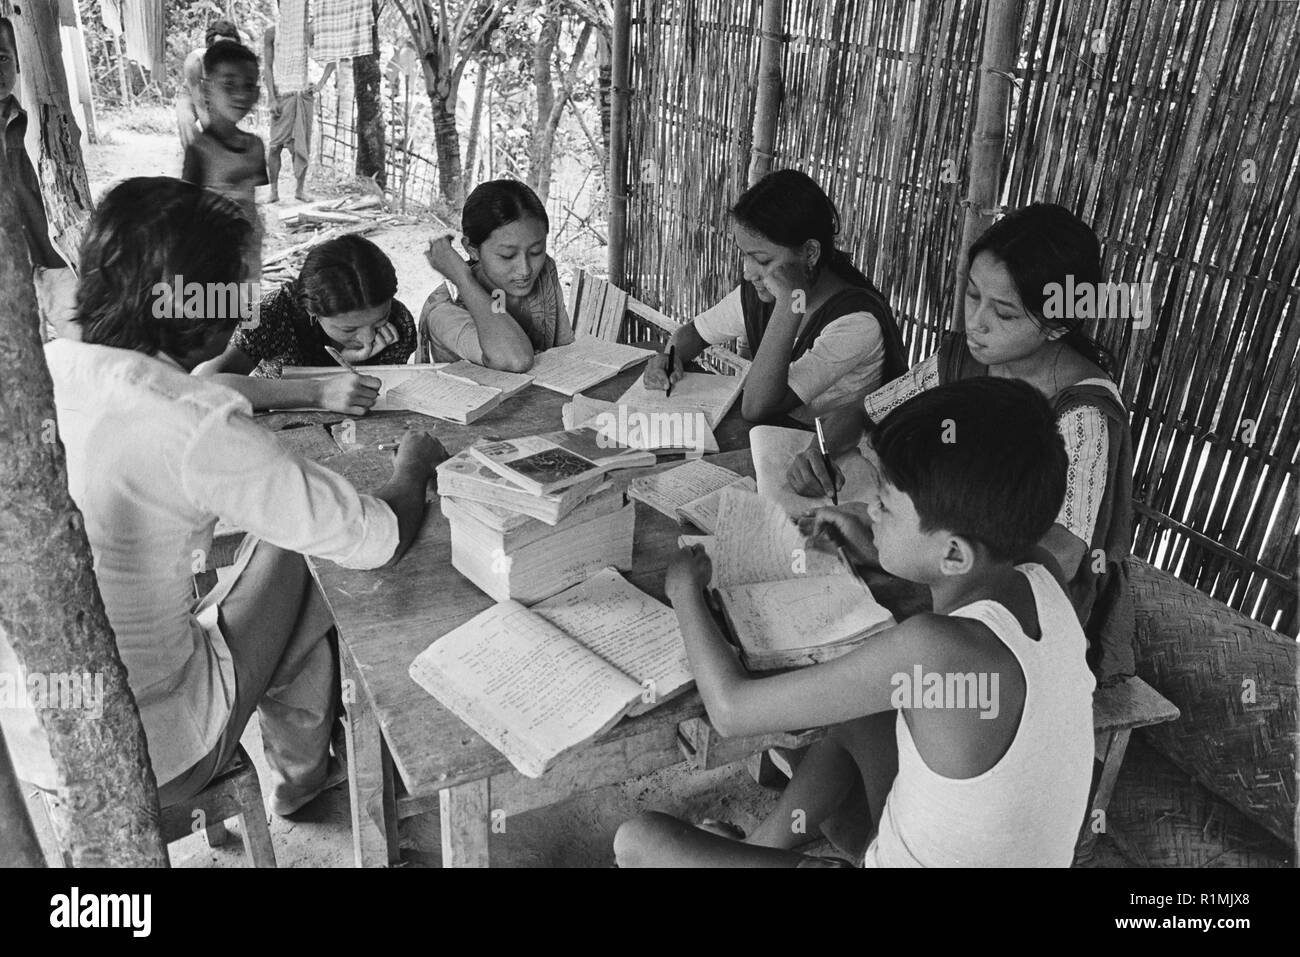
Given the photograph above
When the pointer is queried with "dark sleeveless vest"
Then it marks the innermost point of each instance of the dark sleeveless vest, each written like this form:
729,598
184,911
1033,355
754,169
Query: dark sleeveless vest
855,299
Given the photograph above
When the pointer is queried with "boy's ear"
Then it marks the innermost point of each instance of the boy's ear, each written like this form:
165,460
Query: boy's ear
959,556
470,248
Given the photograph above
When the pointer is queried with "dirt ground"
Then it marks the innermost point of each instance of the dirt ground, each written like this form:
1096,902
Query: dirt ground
576,833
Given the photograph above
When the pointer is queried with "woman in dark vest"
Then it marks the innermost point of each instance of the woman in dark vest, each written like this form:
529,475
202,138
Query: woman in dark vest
821,335
1014,329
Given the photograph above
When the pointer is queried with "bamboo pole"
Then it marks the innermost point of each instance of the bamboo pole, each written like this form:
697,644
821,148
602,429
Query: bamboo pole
618,138
767,108
984,163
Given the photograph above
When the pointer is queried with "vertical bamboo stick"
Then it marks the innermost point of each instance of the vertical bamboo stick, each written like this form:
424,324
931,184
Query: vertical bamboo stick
618,142
768,106
989,136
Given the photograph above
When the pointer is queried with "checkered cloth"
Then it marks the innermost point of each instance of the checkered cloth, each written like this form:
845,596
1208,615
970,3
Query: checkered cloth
342,29
291,47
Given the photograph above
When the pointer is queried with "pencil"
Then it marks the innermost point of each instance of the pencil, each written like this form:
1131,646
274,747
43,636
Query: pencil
826,459
672,357
338,357
834,535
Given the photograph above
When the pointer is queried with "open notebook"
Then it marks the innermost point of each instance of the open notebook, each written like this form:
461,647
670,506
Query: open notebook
784,604
538,682
441,391
587,362
691,492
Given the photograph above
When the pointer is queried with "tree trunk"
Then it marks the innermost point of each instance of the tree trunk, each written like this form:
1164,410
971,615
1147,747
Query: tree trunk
106,807
545,136
370,115
539,158
476,117
63,174
447,139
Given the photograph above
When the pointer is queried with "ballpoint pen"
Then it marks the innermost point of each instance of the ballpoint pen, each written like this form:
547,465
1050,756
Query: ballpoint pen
826,460
338,357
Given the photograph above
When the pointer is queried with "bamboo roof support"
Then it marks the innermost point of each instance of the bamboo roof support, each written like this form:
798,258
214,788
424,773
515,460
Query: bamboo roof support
620,82
768,106
988,140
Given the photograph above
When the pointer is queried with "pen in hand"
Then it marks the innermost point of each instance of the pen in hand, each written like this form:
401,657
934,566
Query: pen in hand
826,460
338,357
672,358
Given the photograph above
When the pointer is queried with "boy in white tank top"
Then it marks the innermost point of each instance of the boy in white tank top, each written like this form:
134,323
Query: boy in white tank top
992,692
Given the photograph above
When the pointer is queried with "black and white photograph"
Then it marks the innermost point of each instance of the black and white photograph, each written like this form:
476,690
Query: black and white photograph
982,553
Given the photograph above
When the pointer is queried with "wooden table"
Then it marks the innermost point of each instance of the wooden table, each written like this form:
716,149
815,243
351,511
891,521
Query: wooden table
408,754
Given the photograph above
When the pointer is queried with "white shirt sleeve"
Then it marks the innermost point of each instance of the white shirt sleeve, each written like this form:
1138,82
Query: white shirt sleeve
921,377
1087,445
841,352
237,470
722,322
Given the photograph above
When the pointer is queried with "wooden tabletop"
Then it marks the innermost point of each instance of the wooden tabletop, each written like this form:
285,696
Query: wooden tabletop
388,616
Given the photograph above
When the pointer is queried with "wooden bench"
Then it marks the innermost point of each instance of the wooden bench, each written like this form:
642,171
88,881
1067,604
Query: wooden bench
599,308
1116,711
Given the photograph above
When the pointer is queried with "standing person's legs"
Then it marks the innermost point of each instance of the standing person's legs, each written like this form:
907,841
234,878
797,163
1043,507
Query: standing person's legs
304,107
281,133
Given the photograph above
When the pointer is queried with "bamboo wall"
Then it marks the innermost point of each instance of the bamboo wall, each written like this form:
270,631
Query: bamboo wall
1170,125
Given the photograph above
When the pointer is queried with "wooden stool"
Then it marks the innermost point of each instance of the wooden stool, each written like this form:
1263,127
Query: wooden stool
1116,711
234,792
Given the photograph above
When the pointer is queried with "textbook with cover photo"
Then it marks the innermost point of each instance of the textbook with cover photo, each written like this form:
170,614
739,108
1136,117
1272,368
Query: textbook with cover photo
547,463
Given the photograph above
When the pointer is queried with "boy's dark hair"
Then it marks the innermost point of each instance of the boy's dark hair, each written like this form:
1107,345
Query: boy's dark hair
220,28
343,275
497,203
981,458
151,230
1040,244
233,52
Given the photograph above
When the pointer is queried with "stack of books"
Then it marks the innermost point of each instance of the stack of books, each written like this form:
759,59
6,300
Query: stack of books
532,516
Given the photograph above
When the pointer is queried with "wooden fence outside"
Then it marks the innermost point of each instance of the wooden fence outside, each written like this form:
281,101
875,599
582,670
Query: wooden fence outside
1170,125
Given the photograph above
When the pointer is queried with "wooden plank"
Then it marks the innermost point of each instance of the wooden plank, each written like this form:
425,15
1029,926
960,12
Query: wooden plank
466,825
1131,703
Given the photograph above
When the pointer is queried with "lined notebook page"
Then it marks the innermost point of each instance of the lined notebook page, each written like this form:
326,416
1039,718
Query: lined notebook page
712,395
626,627
567,373
508,382
757,542
527,688
443,397
391,376
801,613
675,488
616,355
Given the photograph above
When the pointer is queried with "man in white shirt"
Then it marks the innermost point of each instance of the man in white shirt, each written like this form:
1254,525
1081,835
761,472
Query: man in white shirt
155,456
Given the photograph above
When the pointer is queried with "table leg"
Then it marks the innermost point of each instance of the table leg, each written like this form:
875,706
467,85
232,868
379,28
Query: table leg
466,824
370,781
